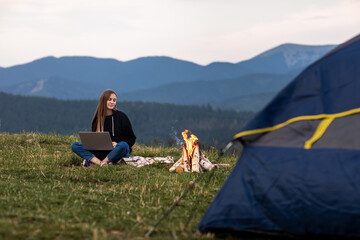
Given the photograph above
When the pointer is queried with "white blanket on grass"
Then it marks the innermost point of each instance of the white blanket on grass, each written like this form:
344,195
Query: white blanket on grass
139,161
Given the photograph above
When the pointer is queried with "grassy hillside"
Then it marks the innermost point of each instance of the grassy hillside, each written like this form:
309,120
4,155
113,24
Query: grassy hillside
46,194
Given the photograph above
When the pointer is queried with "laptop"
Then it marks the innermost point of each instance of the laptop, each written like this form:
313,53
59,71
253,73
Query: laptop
96,140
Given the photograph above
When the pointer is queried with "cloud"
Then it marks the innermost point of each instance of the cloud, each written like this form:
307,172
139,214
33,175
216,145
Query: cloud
200,31
317,24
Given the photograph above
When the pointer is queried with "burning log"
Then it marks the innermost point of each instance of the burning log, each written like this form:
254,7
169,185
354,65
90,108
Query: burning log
185,159
192,159
195,161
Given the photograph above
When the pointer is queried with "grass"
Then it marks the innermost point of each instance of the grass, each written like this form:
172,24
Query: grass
46,194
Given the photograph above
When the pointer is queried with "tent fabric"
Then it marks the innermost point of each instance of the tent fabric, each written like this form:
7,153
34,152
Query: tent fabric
339,134
299,169
286,196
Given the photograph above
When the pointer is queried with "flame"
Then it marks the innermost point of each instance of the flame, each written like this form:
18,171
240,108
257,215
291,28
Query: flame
190,142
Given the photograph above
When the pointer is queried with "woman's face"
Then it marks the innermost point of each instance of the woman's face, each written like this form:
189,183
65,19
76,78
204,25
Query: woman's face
111,102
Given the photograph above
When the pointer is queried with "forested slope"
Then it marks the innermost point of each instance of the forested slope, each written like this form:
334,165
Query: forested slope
152,122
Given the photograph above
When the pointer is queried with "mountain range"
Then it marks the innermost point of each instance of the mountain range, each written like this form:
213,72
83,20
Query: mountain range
246,85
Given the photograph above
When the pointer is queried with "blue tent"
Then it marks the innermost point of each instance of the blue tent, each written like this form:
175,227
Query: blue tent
299,171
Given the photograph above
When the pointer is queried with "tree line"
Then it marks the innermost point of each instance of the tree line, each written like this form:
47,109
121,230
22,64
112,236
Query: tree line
153,123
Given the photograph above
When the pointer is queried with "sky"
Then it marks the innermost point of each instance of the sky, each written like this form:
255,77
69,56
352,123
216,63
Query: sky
200,31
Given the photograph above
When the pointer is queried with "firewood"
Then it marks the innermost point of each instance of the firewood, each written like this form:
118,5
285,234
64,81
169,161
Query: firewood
185,159
205,163
179,169
195,166
204,157
221,165
178,163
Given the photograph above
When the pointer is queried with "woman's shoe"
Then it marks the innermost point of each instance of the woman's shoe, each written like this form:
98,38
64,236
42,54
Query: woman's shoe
86,163
104,164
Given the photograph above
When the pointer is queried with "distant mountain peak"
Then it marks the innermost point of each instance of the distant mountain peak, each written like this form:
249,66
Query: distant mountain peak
297,55
160,59
44,59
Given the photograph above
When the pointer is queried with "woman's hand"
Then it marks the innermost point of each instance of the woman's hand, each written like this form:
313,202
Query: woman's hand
114,144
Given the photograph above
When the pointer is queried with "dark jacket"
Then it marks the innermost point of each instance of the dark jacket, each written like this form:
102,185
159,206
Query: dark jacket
119,126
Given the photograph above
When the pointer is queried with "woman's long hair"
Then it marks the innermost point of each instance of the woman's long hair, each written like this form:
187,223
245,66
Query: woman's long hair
100,112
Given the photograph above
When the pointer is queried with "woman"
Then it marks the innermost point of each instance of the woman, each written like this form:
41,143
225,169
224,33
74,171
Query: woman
107,118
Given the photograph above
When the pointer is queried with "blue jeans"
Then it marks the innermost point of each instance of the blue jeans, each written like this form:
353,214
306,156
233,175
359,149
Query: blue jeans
121,150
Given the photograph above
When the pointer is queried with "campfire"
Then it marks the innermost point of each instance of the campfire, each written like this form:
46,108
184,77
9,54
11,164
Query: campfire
192,159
